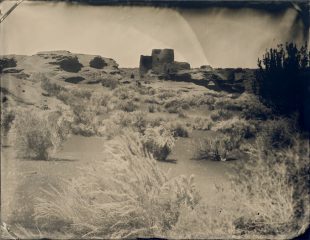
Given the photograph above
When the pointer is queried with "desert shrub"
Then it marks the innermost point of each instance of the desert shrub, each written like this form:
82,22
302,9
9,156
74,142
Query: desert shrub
7,118
204,222
273,191
256,110
60,126
51,88
33,137
156,122
221,114
201,123
182,114
37,135
151,108
111,83
280,83
228,104
158,141
126,93
277,133
82,93
98,103
166,94
7,63
125,196
121,121
237,127
178,128
217,148
197,99
70,64
83,120
175,105
97,62
128,106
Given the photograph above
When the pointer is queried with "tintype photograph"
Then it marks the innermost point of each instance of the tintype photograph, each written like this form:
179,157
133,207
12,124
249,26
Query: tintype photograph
163,119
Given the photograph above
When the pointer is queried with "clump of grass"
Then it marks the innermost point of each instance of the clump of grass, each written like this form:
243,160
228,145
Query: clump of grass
124,196
158,141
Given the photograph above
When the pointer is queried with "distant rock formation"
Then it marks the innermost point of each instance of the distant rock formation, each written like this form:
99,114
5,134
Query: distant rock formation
161,62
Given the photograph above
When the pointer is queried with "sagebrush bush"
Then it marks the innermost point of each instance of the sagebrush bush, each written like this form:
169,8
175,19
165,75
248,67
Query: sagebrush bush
51,88
277,133
32,136
128,105
221,114
176,105
82,93
158,141
237,127
37,135
178,128
124,196
217,148
201,123
110,83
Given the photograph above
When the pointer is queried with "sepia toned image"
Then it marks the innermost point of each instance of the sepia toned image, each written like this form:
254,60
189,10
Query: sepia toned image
155,119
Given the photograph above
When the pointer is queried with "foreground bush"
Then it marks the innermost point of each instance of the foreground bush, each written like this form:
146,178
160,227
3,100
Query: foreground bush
124,196
273,189
36,135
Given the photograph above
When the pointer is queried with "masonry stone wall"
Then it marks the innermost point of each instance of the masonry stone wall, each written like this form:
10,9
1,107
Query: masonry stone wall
161,57
145,64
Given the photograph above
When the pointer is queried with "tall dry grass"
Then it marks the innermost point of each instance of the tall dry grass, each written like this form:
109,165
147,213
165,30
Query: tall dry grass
125,195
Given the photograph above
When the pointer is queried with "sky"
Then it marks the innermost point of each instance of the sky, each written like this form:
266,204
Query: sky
219,37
